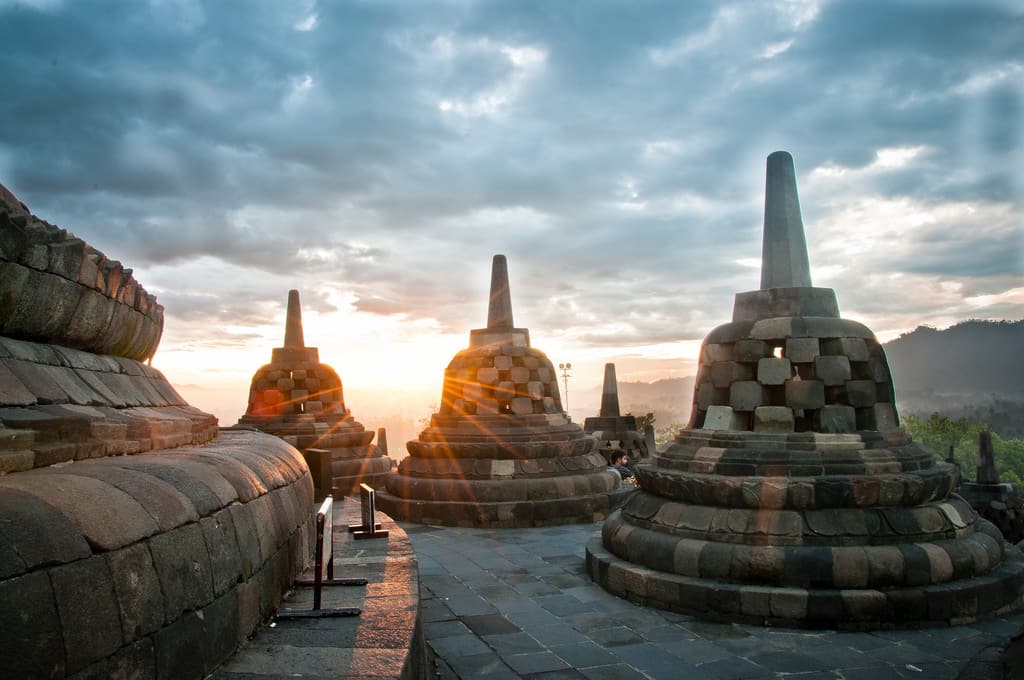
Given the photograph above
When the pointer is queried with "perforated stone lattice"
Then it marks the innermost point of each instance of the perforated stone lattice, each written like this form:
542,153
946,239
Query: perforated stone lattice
303,388
795,384
504,379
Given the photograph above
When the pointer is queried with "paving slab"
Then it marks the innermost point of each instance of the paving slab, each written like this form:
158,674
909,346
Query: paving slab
516,603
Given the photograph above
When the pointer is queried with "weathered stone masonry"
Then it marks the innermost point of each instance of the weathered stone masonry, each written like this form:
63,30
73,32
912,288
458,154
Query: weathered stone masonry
500,451
793,497
153,564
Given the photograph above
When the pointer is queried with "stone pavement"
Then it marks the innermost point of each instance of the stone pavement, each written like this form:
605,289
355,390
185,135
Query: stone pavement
516,603
384,641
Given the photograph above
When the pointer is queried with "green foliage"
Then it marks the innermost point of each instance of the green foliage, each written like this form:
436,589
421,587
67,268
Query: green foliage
643,421
663,435
940,432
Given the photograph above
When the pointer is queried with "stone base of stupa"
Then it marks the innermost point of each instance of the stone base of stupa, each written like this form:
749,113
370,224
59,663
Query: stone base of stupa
354,459
847,531
997,592
502,471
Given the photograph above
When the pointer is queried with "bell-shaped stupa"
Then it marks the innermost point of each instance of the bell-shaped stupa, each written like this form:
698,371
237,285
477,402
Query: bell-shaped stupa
614,431
300,400
500,451
793,497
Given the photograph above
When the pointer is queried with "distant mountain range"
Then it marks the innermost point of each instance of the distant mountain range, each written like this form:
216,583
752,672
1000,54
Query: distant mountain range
974,369
985,357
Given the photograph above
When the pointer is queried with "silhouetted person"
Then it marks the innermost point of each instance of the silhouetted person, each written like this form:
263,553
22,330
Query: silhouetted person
619,463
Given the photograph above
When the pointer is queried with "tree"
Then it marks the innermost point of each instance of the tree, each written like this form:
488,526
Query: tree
940,432
643,421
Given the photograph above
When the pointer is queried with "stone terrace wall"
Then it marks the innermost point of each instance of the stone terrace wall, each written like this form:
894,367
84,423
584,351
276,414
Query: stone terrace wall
59,404
154,565
54,288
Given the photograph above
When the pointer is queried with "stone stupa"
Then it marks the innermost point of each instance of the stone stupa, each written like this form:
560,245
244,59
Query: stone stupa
793,497
300,400
500,451
614,431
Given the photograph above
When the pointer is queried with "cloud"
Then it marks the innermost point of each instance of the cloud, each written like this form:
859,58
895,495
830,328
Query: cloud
376,155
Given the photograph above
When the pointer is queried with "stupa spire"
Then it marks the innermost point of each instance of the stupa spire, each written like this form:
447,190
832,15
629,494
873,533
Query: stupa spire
293,322
499,311
784,262
610,393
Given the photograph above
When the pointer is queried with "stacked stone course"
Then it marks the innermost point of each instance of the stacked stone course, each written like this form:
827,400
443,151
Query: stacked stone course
154,564
500,451
55,288
793,497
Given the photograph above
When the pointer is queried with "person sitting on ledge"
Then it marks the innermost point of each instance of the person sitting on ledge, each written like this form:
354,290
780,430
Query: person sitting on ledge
619,464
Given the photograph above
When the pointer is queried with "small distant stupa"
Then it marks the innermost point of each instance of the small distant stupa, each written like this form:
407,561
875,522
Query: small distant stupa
500,451
614,431
794,498
301,400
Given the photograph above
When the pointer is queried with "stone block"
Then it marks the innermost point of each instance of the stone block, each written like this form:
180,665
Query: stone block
225,561
773,419
708,395
802,350
535,390
832,370
521,406
31,648
854,349
221,629
179,648
138,591
473,391
774,371
487,407
16,461
835,419
723,418
487,376
751,350
713,352
861,393
519,374
89,617
725,373
183,565
107,517
503,362
746,395
805,394
13,392
885,417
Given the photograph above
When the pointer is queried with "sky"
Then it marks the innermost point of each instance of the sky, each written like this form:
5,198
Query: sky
375,155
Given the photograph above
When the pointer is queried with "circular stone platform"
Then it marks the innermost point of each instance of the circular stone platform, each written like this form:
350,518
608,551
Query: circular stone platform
501,452
794,498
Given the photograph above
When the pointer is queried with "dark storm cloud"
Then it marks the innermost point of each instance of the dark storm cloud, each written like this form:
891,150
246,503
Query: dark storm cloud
614,151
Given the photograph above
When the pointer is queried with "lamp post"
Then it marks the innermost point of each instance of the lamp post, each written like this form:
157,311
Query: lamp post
565,368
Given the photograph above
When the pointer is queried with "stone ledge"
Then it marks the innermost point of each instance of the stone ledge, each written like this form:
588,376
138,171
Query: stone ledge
567,510
385,641
192,548
970,600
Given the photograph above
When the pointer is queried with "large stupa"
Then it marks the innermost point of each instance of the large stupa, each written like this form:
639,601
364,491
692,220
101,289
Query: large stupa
501,451
793,497
301,400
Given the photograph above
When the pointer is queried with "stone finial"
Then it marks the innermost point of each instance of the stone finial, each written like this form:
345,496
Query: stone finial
784,261
293,322
610,393
987,473
499,311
